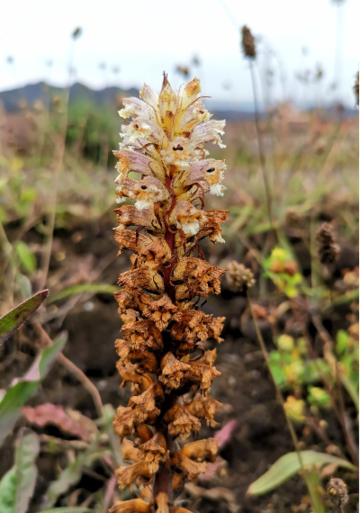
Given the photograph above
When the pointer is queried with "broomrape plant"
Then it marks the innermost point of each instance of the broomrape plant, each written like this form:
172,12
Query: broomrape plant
161,351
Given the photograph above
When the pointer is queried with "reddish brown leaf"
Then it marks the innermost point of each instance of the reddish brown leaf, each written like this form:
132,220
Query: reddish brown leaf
48,413
225,433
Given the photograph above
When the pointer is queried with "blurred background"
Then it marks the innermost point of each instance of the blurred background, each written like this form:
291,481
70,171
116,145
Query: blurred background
292,157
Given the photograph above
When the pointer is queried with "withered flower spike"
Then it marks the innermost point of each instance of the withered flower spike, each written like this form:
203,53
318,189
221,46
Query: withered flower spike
164,142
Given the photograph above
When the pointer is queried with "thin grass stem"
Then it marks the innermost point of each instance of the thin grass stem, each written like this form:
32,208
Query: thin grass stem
260,145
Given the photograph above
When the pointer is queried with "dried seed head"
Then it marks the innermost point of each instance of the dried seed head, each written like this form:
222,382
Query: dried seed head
238,277
328,251
292,217
248,42
356,88
337,492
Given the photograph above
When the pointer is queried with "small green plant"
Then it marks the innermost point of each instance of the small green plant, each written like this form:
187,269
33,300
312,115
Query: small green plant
282,269
296,372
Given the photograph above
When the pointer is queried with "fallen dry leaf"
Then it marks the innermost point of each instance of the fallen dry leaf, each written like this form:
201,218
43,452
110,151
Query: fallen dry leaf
49,413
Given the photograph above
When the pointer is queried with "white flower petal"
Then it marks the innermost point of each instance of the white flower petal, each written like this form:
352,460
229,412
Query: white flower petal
136,108
217,189
219,239
142,204
191,228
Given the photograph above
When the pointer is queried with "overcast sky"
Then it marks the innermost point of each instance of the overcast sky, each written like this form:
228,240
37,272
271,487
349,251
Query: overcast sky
145,37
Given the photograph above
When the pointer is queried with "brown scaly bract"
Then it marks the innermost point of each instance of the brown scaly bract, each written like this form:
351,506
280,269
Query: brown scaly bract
163,334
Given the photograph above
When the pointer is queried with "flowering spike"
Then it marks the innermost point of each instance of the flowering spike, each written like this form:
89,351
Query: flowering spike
164,142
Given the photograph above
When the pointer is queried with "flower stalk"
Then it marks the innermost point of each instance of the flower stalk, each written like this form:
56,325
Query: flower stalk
162,349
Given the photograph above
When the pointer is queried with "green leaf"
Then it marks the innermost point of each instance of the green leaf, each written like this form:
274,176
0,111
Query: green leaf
342,338
288,465
17,486
23,284
67,510
94,288
349,296
351,389
319,397
11,321
26,257
278,373
25,387
314,488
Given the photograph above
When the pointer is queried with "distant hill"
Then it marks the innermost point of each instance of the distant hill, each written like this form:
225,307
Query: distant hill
41,91
220,109
12,99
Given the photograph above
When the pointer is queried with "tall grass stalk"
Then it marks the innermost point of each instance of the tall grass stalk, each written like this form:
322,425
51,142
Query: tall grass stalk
58,164
260,145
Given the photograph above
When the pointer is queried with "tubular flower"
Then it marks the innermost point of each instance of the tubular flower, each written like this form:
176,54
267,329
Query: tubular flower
163,141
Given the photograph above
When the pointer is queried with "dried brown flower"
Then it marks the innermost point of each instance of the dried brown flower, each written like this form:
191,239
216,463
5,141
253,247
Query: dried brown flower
173,371
204,407
180,422
129,451
164,142
190,467
137,472
155,451
201,450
